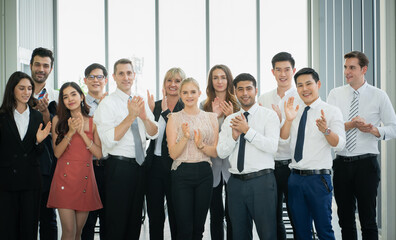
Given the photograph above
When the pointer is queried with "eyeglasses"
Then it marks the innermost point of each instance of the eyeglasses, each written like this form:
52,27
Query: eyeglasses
99,77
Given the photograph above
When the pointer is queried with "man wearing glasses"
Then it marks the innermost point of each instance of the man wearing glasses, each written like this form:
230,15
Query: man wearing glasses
96,80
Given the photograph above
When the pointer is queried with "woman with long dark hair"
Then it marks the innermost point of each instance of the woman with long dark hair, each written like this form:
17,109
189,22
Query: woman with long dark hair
220,100
21,135
192,139
73,190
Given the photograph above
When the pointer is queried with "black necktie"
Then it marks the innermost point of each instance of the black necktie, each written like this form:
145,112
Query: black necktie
241,152
298,152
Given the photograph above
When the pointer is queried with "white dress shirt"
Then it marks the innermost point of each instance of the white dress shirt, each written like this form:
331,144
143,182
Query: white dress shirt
161,131
375,107
272,97
22,121
53,95
111,111
261,140
316,150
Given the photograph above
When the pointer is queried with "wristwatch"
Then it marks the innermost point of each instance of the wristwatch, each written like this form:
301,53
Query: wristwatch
327,132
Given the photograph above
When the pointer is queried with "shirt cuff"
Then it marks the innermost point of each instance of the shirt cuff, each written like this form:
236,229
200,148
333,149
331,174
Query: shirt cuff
284,141
250,134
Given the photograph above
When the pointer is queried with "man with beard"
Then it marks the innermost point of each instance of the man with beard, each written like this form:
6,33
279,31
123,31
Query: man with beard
41,65
250,139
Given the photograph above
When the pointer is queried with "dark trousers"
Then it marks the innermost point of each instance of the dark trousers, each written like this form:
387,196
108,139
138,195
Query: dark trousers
282,173
191,190
88,232
19,212
217,213
159,187
253,200
48,226
310,199
123,199
357,181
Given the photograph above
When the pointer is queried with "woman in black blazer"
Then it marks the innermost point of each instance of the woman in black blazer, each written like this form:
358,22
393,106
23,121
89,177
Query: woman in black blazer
158,161
20,179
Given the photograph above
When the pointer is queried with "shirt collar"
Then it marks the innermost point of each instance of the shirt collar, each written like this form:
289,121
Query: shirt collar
290,90
24,114
90,99
359,90
252,110
314,104
122,95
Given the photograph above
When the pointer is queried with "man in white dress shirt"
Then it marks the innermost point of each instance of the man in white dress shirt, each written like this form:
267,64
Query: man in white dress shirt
283,71
313,128
123,123
356,169
250,139
41,65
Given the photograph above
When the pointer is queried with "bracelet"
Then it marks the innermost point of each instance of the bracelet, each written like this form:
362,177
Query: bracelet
90,145
69,139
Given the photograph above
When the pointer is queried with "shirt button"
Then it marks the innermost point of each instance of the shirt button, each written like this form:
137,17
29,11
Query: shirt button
84,191
62,187
87,164
67,163
86,177
64,175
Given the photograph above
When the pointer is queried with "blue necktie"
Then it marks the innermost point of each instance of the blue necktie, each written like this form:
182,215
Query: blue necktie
298,152
139,153
241,152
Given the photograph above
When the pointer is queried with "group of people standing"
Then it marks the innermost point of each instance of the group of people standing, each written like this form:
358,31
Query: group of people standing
85,154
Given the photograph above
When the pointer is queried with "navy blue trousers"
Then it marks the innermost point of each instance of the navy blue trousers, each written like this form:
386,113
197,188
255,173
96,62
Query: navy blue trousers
253,200
310,199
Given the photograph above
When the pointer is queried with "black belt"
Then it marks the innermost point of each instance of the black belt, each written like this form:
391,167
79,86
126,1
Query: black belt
280,163
311,172
125,159
355,158
247,176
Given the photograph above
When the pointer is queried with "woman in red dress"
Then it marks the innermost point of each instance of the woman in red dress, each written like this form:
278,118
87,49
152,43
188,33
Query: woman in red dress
73,190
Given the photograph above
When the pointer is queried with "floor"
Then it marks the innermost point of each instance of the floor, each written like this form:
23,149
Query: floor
145,231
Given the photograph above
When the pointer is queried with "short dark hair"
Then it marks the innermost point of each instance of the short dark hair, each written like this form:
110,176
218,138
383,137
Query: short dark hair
122,61
94,66
9,101
307,71
363,60
283,56
244,77
42,52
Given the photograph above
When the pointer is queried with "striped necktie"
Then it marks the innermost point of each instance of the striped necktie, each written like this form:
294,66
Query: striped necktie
352,133
42,93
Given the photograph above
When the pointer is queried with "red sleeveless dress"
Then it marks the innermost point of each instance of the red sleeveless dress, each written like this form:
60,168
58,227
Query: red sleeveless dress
74,184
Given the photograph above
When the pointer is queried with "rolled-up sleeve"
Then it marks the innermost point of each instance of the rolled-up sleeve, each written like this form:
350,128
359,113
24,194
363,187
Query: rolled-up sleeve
337,125
104,119
226,143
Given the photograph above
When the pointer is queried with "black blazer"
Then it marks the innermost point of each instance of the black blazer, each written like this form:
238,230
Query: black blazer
167,160
19,164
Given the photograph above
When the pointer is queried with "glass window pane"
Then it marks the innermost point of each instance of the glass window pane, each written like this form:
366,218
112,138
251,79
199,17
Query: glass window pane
132,36
284,28
233,40
81,38
182,38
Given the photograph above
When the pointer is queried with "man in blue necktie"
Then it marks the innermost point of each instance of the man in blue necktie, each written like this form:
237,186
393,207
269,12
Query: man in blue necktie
250,139
313,128
123,123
